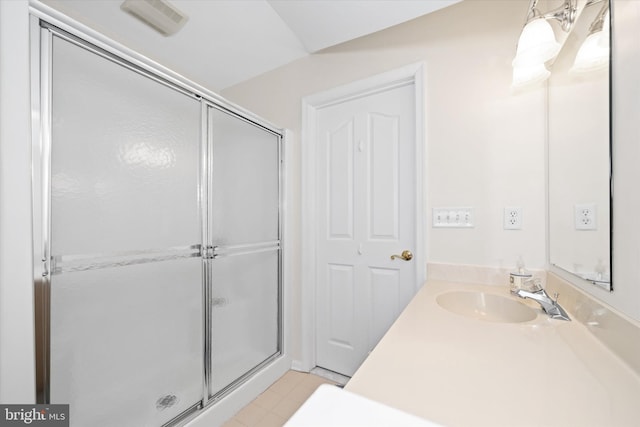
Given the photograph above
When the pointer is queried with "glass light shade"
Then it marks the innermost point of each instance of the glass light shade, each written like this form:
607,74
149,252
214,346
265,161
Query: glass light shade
592,55
537,44
529,75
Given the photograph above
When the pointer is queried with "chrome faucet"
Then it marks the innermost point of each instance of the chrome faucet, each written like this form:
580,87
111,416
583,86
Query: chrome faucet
549,306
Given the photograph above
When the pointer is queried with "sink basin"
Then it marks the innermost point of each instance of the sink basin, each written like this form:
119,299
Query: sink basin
484,306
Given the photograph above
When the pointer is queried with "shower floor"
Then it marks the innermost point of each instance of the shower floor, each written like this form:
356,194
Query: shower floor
279,402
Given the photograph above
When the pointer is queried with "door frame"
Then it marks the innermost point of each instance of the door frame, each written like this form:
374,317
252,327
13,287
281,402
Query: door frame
410,74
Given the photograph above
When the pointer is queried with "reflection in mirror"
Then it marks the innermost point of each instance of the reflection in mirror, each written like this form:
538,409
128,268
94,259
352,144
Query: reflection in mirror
579,150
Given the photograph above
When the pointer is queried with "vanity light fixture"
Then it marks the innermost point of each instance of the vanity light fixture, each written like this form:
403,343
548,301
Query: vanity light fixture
537,43
594,52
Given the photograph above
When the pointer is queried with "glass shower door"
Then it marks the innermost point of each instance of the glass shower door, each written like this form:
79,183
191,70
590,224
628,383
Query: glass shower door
245,241
126,276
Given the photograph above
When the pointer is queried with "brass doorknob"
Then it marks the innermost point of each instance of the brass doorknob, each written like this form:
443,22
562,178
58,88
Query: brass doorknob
406,255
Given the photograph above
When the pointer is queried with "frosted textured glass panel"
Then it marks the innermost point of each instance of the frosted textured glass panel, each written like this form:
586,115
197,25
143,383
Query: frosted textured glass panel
245,181
123,339
244,315
125,152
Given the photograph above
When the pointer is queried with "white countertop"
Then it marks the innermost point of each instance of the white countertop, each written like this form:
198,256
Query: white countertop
458,371
333,406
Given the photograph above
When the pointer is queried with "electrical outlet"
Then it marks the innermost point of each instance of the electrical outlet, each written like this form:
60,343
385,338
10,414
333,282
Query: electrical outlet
513,218
585,216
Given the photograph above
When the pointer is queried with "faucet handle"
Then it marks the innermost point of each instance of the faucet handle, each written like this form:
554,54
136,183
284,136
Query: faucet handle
555,298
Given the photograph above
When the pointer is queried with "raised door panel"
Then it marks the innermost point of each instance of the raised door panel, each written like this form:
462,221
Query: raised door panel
383,177
341,300
386,304
341,334
340,177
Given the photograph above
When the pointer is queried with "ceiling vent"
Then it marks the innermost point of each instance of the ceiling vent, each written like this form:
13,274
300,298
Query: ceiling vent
158,14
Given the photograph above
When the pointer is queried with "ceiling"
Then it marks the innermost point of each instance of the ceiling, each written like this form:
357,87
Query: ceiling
225,42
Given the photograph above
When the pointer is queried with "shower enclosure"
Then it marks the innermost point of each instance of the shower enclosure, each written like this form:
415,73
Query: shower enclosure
157,220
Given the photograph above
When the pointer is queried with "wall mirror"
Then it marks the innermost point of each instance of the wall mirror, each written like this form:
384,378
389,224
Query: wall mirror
580,150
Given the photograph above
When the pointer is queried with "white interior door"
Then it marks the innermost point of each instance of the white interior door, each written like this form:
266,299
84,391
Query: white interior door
367,212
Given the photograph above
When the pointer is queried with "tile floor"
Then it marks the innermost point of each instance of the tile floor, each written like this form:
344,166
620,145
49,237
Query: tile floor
278,403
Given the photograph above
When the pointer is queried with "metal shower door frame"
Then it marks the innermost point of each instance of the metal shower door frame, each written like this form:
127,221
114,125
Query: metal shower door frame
43,29
212,251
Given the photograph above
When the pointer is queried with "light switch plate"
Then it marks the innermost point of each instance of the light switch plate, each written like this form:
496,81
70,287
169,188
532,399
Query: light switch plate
455,217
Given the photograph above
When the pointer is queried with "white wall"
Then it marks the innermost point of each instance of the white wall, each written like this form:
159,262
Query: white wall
17,383
485,145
